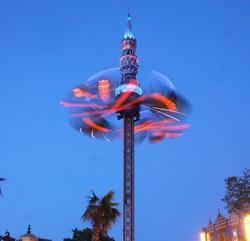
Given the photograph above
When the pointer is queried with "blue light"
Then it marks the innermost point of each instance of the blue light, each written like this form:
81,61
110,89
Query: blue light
129,35
128,88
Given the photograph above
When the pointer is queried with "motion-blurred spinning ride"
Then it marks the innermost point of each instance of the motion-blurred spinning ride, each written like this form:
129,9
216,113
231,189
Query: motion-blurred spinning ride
154,112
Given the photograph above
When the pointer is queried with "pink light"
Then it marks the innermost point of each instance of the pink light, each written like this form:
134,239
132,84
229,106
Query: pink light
166,134
70,104
176,127
78,92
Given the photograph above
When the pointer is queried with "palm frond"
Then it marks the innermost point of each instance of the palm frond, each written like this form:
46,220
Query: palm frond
93,199
101,212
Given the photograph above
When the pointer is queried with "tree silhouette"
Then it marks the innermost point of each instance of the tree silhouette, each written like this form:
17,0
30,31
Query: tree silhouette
102,214
237,196
86,235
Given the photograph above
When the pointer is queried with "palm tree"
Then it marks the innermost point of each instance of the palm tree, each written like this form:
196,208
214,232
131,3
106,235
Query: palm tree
102,214
1,180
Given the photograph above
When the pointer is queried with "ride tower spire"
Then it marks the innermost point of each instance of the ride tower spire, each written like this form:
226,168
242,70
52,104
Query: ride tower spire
128,86
128,61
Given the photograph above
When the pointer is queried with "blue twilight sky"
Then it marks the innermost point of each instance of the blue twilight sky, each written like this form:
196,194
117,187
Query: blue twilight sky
49,46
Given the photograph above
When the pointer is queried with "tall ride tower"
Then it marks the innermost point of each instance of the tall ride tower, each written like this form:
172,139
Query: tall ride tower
108,95
128,86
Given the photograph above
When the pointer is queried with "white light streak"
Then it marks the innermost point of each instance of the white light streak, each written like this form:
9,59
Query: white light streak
106,138
165,114
92,133
173,111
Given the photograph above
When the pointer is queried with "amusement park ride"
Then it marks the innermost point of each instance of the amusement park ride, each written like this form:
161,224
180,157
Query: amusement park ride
152,113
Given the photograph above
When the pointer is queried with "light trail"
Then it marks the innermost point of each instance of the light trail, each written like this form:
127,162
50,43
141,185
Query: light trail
177,112
92,133
92,124
79,92
165,114
71,104
164,100
106,138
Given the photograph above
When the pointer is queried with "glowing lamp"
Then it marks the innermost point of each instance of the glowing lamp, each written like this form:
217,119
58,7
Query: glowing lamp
129,35
203,236
235,236
247,227
104,90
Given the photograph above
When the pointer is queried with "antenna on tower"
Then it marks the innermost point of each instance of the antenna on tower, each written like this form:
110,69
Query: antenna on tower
129,21
128,33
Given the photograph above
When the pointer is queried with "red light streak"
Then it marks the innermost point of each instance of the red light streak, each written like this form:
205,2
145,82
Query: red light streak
155,140
166,101
131,103
152,125
92,124
148,125
166,134
176,127
78,92
122,97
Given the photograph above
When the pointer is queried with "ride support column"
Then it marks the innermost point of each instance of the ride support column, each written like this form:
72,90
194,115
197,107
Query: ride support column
128,178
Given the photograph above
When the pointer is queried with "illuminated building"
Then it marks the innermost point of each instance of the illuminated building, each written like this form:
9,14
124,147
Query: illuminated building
233,228
7,237
25,237
247,227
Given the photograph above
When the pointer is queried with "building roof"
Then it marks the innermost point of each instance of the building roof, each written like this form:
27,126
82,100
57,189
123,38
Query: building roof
28,236
220,221
7,237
